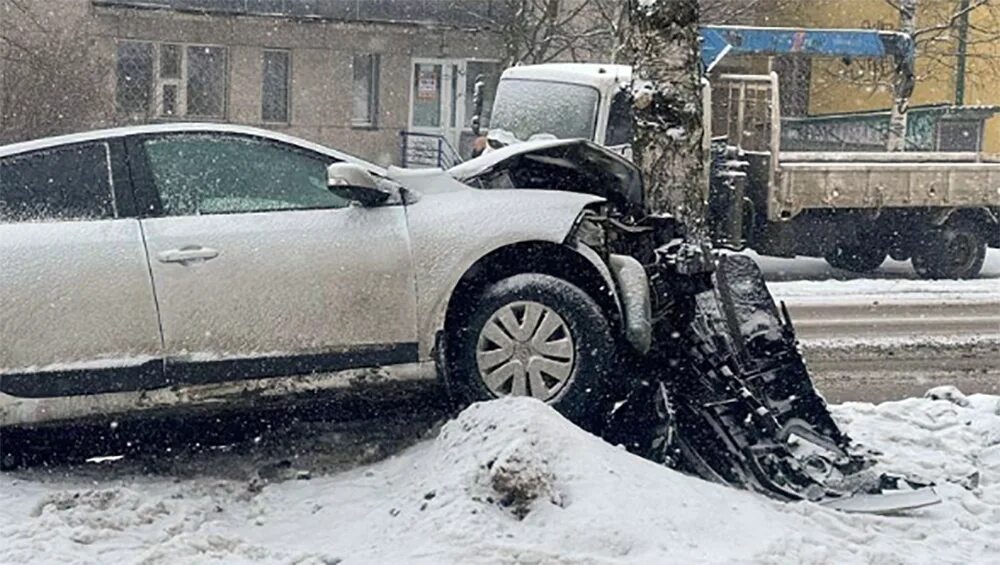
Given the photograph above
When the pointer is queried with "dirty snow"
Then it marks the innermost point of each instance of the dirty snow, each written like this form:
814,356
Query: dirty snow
510,481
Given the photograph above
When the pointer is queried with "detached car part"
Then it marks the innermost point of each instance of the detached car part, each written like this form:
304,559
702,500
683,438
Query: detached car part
726,396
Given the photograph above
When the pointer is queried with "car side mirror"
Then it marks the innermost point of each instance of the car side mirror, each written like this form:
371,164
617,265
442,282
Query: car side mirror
356,184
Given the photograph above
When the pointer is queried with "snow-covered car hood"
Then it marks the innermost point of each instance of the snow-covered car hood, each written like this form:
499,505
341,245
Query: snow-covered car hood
570,165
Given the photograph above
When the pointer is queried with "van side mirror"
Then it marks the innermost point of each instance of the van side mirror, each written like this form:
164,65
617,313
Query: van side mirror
354,183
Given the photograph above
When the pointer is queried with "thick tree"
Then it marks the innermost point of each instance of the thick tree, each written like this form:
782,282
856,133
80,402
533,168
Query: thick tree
662,44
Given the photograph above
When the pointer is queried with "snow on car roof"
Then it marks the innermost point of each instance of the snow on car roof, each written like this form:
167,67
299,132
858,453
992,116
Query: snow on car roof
581,73
189,127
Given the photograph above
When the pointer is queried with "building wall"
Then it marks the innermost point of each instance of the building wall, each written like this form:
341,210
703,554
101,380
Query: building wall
53,72
321,52
831,90
984,68
321,67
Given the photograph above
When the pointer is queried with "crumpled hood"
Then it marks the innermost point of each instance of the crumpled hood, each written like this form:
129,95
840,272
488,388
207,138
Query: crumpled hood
569,165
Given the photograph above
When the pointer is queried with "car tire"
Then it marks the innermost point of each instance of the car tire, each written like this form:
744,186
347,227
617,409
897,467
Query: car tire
857,258
536,335
956,250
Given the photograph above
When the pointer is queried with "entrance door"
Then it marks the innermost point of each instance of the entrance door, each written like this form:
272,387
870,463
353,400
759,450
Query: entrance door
437,111
441,108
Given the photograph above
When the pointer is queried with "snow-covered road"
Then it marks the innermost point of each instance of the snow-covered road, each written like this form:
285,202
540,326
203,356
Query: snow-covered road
512,482
891,335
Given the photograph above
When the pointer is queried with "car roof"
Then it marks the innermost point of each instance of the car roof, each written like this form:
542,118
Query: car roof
185,127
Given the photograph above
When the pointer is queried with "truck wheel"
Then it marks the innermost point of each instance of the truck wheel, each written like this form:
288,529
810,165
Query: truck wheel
956,250
540,336
857,258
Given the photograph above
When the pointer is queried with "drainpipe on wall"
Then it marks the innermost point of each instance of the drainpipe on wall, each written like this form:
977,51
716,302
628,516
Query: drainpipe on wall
963,49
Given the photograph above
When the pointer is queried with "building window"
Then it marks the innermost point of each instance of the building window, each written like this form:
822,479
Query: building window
366,79
134,77
274,98
170,61
171,80
206,81
959,135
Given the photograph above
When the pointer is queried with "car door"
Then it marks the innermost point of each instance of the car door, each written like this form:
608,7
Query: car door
77,314
261,271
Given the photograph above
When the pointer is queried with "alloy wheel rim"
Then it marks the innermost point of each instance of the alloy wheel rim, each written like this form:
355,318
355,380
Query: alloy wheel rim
525,349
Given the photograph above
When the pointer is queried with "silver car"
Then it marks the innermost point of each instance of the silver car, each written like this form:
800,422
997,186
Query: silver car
181,265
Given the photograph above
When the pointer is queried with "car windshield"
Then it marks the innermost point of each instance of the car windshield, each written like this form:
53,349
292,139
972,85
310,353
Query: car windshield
527,108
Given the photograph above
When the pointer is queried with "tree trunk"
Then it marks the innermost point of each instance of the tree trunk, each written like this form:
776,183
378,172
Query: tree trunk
662,43
903,82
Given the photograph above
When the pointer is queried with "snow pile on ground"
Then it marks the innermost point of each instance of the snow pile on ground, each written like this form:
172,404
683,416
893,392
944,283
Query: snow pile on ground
510,481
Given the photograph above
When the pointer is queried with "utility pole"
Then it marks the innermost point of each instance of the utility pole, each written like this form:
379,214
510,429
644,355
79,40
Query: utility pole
662,44
963,48
903,82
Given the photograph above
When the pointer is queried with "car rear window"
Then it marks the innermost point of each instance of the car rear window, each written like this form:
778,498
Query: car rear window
66,183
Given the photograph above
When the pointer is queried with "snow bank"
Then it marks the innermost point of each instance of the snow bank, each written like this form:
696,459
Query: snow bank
510,481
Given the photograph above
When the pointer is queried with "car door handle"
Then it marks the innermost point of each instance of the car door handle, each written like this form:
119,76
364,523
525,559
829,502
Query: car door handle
188,254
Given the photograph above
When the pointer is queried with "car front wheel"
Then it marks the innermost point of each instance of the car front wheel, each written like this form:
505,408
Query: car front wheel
540,336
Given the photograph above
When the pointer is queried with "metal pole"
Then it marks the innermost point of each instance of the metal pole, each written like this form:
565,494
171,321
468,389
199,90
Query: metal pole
903,87
963,48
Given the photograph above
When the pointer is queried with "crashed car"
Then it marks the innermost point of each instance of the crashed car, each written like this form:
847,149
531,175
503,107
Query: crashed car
166,266
157,267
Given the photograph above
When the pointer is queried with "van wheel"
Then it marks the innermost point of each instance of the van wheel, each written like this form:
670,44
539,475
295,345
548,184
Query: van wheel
956,250
540,336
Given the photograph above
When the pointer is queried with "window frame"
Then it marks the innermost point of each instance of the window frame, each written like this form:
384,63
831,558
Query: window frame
158,83
224,111
374,85
976,127
120,185
179,83
149,101
147,196
288,85
627,124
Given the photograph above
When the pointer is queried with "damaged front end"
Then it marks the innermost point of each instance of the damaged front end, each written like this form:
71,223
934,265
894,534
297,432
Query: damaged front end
717,386
724,393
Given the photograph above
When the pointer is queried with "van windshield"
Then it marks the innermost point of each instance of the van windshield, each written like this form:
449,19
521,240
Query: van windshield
527,108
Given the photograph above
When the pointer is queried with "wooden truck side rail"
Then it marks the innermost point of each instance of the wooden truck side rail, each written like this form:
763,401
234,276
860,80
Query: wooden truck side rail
862,184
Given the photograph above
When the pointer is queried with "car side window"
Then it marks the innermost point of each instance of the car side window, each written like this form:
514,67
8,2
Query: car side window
225,174
619,120
65,183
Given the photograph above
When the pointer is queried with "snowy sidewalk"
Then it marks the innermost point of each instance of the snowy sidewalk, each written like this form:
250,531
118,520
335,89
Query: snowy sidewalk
512,482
